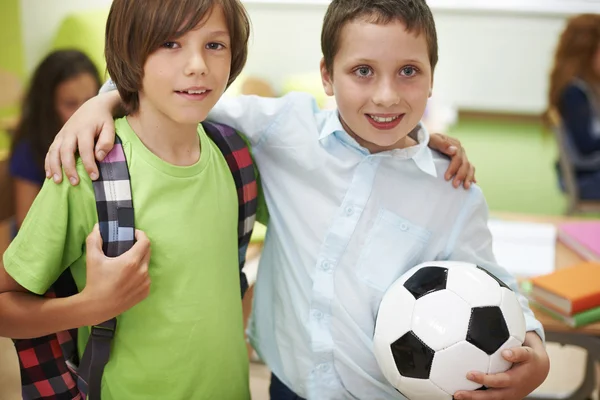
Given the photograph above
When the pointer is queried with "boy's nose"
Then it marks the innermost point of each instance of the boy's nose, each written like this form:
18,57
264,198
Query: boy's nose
386,96
196,64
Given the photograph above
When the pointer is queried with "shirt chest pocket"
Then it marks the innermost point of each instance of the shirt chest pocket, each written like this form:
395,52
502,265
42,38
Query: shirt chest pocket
393,245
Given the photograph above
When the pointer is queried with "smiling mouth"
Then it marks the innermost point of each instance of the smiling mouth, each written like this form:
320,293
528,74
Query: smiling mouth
191,91
384,119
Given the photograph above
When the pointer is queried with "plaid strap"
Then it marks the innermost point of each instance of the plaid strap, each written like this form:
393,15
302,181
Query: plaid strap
240,163
116,220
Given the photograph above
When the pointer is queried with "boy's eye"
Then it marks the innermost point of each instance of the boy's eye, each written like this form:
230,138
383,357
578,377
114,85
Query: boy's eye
363,72
215,46
408,71
170,45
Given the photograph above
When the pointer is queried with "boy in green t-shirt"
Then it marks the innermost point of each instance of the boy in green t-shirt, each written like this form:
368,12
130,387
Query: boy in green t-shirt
179,311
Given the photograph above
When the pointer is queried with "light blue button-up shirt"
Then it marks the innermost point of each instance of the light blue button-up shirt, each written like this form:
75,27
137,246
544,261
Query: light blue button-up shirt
344,225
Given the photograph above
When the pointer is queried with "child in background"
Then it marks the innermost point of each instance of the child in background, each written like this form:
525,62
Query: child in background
183,339
575,95
62,82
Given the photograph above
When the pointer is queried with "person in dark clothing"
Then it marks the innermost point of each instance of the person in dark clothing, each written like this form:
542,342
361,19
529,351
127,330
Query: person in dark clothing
575,95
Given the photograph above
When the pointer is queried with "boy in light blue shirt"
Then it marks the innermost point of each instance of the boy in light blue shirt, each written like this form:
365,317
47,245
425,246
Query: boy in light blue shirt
356,198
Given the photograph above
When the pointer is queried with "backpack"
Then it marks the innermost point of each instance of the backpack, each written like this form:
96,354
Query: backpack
50,366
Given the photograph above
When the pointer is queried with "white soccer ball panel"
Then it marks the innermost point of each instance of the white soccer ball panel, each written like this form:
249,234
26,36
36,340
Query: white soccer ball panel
422,389
393,321
395,313
451,365
473,285
441,319
497,362
513,314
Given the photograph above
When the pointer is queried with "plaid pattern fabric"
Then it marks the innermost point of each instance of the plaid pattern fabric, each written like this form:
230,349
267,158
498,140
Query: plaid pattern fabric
240,163
44,371
50,368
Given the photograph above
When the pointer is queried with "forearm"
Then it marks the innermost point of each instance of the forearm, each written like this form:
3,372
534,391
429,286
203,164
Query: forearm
25,315
533,340
113,102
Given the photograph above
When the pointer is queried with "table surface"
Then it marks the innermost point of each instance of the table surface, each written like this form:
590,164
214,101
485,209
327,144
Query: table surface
565,257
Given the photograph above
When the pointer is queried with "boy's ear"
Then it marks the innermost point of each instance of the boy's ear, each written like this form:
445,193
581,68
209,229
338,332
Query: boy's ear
326,79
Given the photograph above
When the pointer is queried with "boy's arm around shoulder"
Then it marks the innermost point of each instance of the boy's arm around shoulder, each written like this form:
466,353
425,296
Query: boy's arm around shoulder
471,241
255,116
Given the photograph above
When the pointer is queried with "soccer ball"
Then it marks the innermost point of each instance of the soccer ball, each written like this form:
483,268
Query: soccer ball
441,320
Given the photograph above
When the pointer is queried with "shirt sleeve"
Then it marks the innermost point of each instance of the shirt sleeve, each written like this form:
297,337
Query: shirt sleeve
471,241
576,113
252,115
53,234
22,164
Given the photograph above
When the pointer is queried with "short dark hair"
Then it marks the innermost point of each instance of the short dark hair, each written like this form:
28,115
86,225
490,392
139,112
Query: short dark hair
415,14
135,29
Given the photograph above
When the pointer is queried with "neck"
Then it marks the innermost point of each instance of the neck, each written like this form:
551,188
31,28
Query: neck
175,143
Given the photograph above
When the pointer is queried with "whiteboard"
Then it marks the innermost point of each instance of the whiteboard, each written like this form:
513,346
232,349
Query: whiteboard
512,6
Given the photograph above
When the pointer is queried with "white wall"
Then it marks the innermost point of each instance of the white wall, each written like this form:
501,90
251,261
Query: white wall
492,57
40,20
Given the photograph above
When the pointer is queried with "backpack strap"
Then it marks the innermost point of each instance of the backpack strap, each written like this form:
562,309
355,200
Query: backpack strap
240,164
116,220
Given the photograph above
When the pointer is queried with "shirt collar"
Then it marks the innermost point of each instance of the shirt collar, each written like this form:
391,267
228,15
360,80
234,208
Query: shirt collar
421,154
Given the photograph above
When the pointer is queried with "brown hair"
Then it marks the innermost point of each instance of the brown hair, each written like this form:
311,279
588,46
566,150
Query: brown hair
135,29
577,46
415,14
40,121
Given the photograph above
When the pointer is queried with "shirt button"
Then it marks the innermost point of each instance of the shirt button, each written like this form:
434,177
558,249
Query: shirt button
323,367
349,211
317,314
326,266
404,227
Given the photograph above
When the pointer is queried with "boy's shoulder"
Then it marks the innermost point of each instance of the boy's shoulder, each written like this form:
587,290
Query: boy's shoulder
441,162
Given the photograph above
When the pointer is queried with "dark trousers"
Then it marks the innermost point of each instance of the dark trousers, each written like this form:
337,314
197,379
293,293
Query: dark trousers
278,390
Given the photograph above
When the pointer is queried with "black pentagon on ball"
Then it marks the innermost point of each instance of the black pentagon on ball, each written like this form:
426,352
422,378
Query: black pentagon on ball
413,357
502,284
427,280
487,329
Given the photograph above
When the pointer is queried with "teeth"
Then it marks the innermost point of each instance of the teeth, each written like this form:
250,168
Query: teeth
380,119
195,91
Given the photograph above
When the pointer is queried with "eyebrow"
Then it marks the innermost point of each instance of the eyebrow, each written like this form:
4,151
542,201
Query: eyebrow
220,33
371,61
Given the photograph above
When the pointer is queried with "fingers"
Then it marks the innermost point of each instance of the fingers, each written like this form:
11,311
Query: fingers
500,380
470,177
86,152
53,168
482,394
462,172
93,243
141,249
518,354
106,140
455,164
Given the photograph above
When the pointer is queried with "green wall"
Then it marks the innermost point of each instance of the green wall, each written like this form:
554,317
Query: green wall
11,56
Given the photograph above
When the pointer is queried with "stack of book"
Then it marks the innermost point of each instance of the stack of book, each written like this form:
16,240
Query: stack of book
571,295
582,237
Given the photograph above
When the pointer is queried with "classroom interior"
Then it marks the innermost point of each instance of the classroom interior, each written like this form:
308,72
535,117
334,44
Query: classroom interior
490,91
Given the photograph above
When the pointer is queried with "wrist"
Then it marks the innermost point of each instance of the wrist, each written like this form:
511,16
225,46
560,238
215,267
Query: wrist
90,309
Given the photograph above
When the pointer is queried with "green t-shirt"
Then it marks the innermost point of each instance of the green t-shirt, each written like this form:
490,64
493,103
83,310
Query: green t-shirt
185,340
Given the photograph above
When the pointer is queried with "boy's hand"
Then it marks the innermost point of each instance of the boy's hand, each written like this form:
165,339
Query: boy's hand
94,118
460,168
530,369
114,285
